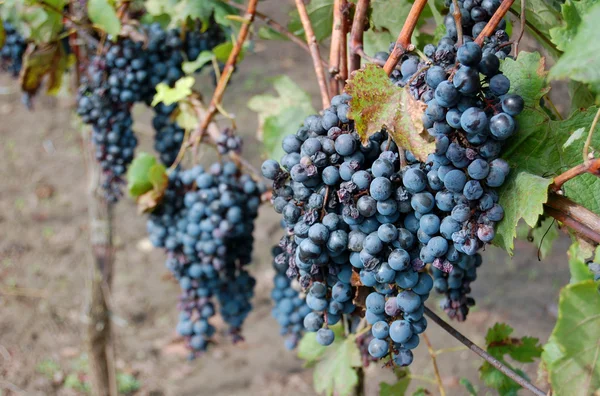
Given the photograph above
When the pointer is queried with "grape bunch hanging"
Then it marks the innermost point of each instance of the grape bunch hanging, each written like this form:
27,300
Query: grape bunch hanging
373,216
205,224
11,54
125,74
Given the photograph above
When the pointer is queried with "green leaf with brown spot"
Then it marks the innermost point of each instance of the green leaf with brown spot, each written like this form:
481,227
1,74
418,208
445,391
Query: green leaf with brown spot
377,104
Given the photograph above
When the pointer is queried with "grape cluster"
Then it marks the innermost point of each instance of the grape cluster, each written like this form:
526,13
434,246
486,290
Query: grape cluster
168,134
205,223
11,54
349,215
126,74
229,142
469,114
289,307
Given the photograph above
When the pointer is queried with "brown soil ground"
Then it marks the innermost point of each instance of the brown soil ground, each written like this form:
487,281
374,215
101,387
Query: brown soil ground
44,268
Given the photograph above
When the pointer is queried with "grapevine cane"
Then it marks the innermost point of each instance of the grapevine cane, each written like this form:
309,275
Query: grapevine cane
403,44
356,35
314,51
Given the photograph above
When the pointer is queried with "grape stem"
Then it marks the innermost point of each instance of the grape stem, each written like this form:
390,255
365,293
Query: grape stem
362,54
335,49
589,166
226,74
580,219
541,36
521,28
311,40
494,21
458,22
273,24
344,44
356,35
588,141
436,369
403,44
486,356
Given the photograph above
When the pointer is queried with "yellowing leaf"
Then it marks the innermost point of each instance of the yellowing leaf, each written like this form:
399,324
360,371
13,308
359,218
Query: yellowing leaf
41,61
168,95
377,103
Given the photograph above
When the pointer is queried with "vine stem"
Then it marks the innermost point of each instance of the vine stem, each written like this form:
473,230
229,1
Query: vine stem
436,369
574,216
588,141
494,21
540,35
226,74
403,44
589,166
273,24
457,22
356,34
486,356
344,45
335,49
521,28
311,40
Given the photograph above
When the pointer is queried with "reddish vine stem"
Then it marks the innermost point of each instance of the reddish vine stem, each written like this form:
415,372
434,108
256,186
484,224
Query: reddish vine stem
574,216
273,24
486,356
590,166
335,49
458,22
311,40
356,34
403,44
344,44
227,72
494,21
361,52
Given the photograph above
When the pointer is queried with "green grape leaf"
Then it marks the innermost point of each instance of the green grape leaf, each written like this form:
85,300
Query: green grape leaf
202,10
389,15
320,13
539,146
581,96
280,115
268,33
377,103
202,59
375,40
580,61
497,333
522,196
572,354
540,14
145,174
103,15
572,12
223,50
335,373
500,343
577,263
168,95
400,386
468,386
